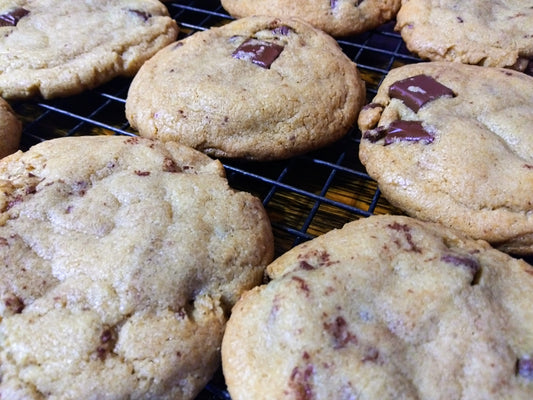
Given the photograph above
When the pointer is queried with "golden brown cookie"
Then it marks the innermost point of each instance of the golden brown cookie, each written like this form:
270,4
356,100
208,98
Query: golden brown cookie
10,129
451,143
54,48
336,17
260,88
488,33
388,307
121,258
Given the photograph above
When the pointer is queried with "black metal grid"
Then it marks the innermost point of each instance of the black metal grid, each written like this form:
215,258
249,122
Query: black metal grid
304,196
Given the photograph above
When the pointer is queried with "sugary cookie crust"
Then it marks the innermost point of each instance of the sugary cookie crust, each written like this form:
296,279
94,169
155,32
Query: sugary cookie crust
121,260
388,307
53,48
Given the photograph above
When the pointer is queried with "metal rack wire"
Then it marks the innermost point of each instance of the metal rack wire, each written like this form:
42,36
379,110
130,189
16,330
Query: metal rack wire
304,196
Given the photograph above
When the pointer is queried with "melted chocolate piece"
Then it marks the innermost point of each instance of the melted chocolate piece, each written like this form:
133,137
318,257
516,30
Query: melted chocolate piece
418,90
259,52
524,368
13,17
282,30
469,263
407,131
144,15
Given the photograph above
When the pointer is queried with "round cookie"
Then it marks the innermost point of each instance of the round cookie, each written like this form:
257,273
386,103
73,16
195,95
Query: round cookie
336,17
488,33
259,88
388,307
121,260
10,129
54,48
451,143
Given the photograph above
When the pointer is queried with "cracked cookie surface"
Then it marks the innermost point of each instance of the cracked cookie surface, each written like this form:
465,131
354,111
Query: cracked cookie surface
52,48
120,266
259,88
388,307
462,155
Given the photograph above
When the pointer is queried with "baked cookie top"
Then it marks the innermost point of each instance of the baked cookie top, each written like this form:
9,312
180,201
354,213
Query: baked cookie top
389,307
336,17
10,129
490,33
451,143
257,88
54,48
121,260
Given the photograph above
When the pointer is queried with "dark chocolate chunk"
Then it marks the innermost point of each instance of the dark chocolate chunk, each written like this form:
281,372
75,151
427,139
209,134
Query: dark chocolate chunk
259,52
373,135
143,14
407,131
524,368
469,263
13,17
338,329
281,30
418,90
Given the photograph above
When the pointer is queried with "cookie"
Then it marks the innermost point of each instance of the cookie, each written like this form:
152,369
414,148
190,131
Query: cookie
258,88
488,33
336,17
388,307
10,129
121,260
53,48
450,143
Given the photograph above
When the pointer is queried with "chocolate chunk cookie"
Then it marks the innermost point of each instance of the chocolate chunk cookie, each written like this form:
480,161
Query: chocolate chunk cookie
259,88
121,258
10,129
336,17
388,307
490,33
451,143
54,48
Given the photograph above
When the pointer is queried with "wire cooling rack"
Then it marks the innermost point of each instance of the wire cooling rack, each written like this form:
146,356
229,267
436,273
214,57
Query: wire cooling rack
304,196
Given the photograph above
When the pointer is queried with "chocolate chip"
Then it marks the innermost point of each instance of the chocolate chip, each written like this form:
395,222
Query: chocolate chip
467,262
418,90
13,17
371,106
524,368
259,52
144,15
15,304
407,131
373,135
338,329
282,30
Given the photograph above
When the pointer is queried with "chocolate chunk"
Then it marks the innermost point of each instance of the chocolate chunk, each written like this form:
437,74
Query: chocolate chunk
418,90
13,17
373,135
407,131
469,263
258,52
143,14
282,30
338,329
524,368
